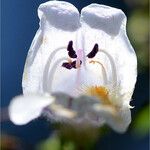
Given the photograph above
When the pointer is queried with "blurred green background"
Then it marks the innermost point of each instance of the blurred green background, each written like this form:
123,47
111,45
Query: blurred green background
19,24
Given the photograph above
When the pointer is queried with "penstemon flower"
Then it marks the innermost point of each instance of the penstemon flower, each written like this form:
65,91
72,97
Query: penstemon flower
81,68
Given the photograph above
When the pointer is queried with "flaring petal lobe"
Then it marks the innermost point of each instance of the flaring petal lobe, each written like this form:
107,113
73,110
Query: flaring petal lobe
23,109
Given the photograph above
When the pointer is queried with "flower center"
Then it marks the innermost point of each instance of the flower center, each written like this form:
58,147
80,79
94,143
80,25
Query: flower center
99,92
74,62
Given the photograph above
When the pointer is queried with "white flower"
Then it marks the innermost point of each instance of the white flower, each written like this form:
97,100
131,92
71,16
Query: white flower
80,68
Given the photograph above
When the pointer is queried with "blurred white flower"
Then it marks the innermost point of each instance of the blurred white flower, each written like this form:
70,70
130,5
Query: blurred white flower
80,68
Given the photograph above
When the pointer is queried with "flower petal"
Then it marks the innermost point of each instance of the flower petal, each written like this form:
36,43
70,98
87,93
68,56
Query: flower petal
101,17
118,119
23,109
67,15
66,108
106,26
59,23
74,103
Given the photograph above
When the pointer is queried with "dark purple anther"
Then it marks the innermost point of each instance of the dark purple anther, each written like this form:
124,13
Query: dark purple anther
73,64
67,65
70,65
93,52
70,50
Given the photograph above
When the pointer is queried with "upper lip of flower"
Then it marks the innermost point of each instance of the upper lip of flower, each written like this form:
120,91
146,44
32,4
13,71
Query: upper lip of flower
87,54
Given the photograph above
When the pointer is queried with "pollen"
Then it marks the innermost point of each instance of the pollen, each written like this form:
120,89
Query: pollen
99,92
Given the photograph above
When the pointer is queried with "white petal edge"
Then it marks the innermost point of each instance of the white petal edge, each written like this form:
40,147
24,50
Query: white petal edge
118,120
24,108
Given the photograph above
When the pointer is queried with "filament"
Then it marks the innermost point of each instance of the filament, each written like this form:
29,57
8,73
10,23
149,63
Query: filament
113,66
52,73
47,66
104,74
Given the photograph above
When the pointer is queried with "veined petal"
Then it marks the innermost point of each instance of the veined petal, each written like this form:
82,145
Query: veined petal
118,119
23,109
106,26
59,23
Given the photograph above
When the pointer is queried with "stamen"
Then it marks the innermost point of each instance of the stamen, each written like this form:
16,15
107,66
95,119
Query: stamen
113,66
74,64
104,74
93,52
67,65
71,51
47,66
70,65
52,72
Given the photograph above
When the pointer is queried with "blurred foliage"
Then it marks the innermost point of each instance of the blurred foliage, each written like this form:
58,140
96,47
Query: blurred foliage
52,143
138,26
138,31
84,136
137,3
73,137
141,123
